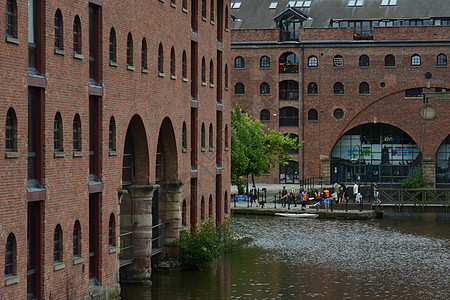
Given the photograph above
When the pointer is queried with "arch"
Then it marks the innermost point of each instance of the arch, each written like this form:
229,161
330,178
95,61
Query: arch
239,62
443,162
203,73
58,244
338,88
210,136
374,152
11,131
144,54
112,231
264,116
210,206
264,62
364,61
58,133
289,90
160,58
364,88
172,62
288,63
338,61
313,61
239,89
59,30
313,89
184,65
289,172
11,18
416,60
313,115
288,117
10,256
441,60
77,35
112,45
112,134
76,246
211,72
203,136
129,49
77,140
202,208
264,88
389,60
167,148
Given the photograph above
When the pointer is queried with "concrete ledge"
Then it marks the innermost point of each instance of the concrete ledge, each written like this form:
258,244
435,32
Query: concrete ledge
77,260
11,280
59,266
11,154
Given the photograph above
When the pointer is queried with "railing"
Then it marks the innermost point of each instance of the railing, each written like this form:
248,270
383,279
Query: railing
288,68
289,94
126,255
157,239
288,35
416,197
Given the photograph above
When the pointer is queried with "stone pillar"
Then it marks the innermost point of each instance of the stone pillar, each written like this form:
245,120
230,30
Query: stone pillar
171,207
136,217
326,169
429,170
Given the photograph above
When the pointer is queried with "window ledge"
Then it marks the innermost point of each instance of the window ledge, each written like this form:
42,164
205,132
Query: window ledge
184,150
160,74
185,79
112,153
239,68
77,260
264,68
334,67
11,280
11,154
204,19
415,67
364,67
203,83
60,52
203,149
389,67
264,95
338,94
113,64
59,266
441,66
364,94
173,77
184,10
211,85
212,22
77,154
226,148
12,40
414,98
312,68
78,56
239,95
113,249
173,5
130,68
313,121
59,154
162,1
265,121
226,88
144,70
211,149
226,29
312,94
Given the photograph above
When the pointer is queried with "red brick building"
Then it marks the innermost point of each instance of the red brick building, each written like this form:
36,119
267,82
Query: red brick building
364,83
116,136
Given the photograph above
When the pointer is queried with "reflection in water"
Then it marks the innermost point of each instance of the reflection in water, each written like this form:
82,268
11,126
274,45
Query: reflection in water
304,258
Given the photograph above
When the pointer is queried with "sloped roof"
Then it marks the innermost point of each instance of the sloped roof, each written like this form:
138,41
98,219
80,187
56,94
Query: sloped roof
255,14
289,12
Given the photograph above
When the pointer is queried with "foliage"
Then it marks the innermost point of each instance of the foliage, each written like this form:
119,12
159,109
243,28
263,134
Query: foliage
203,245
417,180
256,149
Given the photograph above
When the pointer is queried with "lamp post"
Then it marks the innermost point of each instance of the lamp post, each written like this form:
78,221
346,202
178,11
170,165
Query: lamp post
359,171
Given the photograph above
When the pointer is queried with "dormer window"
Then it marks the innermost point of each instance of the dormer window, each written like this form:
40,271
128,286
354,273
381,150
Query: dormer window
289,22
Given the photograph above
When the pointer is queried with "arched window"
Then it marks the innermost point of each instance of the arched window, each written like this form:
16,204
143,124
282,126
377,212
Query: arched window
184,65
184,136
338,88
288,63
203,70
313,115
112,46
76,239
112,231
144,54
112,134
160,59
57,244
364,61
183,213
172,62
226,76
10,256
57,133
389,61
288,90
264,115
441,60
239,62
226,17
312,88
210,136
203,8
76,133
288,117
11,131
264,62
77,35
225,203
211,11
226,136
11,18
202,208
58,30
415,60
211,72
264,89
202,137
129,50
239,89
210,206
364,88
313,61
338,61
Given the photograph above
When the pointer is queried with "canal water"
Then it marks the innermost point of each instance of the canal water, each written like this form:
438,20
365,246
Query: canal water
319,259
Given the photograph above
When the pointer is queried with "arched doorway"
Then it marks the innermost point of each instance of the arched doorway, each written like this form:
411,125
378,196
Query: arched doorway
443,162
289,172
374,152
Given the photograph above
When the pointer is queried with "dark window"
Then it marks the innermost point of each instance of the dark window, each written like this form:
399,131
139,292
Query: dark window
441,60
239,89
203,70
415,60
389,61
184,4
112,231
338,113
416,92
112,134
160,59
172,62
239,62
144,54
226,17
210,207
211,72
265,115
10,255
129,50
58,30
364,88
184,65
112,45
94,41
264,62
77,35
11,9
210,136
364,61
289,90
57,244
183,213
57,133
34,136
10,131
313,61
202,208
338,61
34,41
289,117
76,133
184,136
204,8
226,76
313,115
211,11
226,136
338,88
264,89
76,239
203,137
313,89
288,63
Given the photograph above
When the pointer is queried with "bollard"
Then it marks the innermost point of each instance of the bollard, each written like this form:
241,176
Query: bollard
361,205
248,201
275,201
346,203
234,200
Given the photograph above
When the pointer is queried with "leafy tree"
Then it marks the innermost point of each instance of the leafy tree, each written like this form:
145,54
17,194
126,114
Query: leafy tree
256,149
417,180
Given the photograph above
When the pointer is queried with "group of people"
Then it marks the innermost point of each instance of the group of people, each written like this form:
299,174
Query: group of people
289,197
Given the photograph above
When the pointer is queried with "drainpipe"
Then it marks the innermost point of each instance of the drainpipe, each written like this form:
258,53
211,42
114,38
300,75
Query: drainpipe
303,110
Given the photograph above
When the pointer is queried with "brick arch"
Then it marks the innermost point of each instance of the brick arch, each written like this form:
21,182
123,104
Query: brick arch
167,143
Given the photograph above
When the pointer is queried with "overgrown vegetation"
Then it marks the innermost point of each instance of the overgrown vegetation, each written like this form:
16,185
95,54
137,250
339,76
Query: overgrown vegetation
417,180
201,246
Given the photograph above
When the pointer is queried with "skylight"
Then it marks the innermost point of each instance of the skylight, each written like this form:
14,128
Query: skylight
355,2
273,5
236,4
388,2
300,4
291,4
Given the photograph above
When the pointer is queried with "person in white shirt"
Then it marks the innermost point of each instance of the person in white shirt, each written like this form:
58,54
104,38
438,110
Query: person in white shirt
355,191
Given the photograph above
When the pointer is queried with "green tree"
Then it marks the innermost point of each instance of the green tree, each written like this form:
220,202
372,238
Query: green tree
256,149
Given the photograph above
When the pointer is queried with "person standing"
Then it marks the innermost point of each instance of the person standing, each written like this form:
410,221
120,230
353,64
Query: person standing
253,196
283,196
355,191
304,196
342,190
376,200
292,198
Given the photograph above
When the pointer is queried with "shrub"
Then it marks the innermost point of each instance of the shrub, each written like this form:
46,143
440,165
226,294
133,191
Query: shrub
415,181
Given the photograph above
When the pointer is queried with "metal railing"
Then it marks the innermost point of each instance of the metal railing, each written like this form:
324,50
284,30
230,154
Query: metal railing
126,254
416,197
157,239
